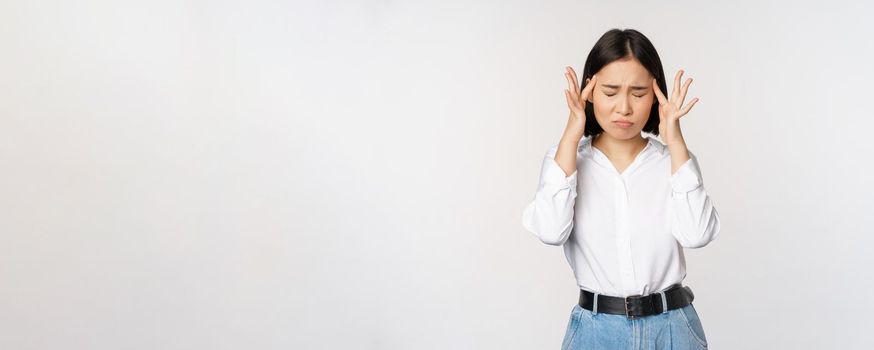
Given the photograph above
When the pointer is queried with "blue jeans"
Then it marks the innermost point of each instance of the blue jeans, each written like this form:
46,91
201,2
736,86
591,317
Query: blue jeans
676,329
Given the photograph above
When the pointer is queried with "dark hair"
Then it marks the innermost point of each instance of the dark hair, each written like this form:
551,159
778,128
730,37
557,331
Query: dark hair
616,45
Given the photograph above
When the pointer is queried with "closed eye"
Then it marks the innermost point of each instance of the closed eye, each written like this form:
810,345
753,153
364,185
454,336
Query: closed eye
632,95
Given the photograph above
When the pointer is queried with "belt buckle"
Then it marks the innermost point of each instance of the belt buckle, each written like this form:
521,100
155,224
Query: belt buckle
627,314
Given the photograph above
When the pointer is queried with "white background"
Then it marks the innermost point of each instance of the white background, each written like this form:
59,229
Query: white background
326,174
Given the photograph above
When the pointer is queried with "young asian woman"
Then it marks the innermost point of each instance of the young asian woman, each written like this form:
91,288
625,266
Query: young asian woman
624,205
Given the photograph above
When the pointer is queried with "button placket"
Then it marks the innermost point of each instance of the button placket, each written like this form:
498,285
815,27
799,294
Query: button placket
623,240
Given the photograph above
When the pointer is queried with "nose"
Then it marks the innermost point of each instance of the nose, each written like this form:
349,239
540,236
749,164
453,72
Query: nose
624,107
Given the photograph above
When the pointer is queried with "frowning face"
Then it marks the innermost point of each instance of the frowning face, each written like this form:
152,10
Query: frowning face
623,98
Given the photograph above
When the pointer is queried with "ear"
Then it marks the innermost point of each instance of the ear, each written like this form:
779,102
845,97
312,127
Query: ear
590,93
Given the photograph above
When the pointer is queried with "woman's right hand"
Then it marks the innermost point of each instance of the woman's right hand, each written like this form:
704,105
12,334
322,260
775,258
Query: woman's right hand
576,101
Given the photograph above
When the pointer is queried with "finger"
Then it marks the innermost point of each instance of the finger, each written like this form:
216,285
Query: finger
688,107
572,102
658,91
576,89
683,91
570,82
675,91
587,91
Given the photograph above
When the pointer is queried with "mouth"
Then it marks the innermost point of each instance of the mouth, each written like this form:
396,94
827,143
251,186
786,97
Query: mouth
623,124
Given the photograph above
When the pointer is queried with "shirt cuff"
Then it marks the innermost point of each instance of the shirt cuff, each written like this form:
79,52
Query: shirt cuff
554,177
687,177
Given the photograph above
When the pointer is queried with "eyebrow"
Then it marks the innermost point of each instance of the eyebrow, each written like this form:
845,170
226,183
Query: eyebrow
635,87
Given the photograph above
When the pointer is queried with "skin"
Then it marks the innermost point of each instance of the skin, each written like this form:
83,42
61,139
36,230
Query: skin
623,90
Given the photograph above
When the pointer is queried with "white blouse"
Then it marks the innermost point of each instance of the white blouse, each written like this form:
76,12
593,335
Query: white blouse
623,234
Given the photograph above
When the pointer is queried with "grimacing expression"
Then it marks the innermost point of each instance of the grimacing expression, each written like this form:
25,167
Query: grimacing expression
623,92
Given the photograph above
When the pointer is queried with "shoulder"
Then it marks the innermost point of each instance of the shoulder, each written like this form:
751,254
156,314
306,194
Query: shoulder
583,147
662,148
659,147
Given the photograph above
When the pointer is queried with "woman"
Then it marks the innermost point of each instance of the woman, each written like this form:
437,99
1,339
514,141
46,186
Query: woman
623,205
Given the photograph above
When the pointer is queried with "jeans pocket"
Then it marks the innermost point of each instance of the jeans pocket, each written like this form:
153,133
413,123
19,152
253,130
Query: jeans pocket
693,322
572,326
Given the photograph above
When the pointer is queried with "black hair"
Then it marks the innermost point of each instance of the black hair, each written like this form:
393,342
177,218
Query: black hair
616,45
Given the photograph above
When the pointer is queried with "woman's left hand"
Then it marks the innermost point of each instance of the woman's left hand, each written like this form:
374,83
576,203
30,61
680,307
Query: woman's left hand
670,110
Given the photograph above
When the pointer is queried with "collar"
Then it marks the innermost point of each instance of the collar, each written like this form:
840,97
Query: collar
585,145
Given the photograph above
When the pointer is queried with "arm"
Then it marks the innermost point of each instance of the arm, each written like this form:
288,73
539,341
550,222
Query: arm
694,221
550,215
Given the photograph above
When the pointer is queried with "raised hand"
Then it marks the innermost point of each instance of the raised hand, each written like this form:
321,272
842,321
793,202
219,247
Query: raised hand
576,101
670,110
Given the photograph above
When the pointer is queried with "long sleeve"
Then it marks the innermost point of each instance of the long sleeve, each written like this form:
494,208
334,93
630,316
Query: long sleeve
695,221
550,215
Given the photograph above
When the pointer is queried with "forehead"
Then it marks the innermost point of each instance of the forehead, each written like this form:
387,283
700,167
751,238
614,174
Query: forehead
624,72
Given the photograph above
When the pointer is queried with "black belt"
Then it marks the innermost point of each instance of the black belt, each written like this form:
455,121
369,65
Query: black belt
636,306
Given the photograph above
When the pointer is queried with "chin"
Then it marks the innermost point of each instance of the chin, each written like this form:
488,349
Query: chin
623,134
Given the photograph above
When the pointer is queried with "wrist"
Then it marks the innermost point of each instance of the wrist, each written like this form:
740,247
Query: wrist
572,137
676,146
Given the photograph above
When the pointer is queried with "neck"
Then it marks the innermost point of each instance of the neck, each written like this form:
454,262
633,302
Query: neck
617,148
